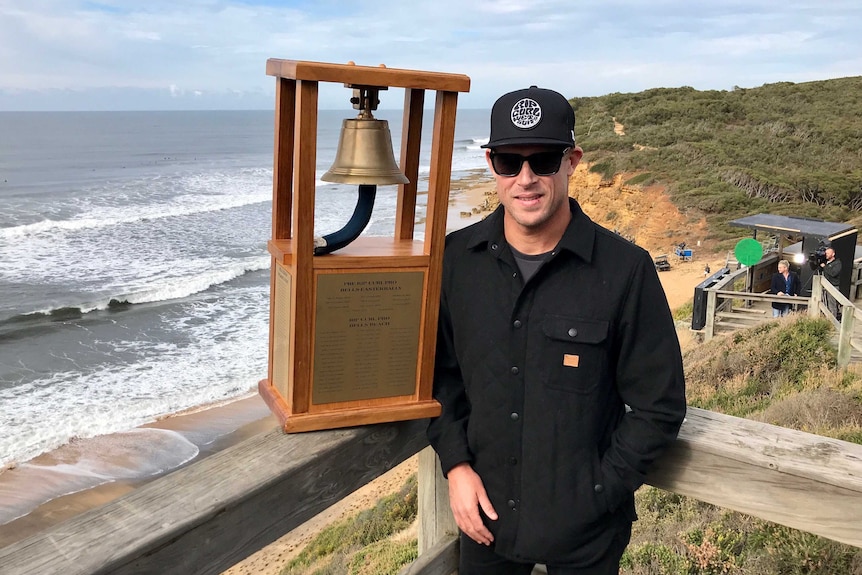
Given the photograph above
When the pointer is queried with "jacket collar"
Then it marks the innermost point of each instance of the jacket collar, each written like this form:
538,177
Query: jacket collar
579,237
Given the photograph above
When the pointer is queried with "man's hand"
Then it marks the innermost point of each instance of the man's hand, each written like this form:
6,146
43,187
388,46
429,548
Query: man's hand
466,495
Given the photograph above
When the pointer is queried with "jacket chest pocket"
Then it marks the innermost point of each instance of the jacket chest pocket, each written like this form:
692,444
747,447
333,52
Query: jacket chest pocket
576,353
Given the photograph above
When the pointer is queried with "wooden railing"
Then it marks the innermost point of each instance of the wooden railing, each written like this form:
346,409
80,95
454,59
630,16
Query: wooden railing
210,515
847,340
720,299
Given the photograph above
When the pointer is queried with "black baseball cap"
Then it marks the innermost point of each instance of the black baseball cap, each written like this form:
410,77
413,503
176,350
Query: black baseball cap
532,116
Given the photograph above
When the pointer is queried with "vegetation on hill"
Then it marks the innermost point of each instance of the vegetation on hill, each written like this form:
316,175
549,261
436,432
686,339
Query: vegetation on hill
785,148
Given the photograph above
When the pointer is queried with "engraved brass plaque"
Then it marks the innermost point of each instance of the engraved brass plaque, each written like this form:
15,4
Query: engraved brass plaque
366,341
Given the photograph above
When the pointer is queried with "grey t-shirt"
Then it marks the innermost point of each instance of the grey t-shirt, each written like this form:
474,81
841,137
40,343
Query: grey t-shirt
529,264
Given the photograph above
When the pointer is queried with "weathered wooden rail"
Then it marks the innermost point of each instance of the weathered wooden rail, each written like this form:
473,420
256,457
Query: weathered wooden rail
210,515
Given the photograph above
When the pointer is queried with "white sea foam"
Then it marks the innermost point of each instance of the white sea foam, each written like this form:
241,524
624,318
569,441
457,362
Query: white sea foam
180,287
221,355
103,217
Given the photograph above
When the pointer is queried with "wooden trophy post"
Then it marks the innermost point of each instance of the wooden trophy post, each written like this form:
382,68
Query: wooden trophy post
352,333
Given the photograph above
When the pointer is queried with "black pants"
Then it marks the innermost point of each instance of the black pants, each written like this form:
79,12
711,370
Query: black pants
479,559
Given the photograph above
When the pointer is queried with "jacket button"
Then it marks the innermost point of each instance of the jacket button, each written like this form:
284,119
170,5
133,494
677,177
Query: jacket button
572,332
515,370
599,488
511,503
513,461
493,246
517,323
514,416
515,274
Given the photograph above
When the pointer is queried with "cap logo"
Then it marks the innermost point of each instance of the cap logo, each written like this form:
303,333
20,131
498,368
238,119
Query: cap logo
526,113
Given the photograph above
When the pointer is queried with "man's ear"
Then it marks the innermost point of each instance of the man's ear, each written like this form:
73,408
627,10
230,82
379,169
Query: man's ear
574,159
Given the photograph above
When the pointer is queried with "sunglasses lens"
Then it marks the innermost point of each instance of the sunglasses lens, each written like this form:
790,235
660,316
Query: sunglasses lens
507,164
545,163
542,163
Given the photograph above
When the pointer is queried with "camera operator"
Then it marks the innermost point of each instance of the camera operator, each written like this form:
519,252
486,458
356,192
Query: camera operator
831,270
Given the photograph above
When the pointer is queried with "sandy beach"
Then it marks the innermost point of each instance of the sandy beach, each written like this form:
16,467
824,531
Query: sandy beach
647,215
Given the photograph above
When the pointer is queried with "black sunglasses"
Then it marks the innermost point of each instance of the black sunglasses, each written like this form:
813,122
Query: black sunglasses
541,163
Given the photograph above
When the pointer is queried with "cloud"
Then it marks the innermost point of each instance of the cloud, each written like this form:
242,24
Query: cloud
212,53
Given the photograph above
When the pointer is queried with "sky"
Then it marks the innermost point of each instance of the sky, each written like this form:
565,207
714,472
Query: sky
211,54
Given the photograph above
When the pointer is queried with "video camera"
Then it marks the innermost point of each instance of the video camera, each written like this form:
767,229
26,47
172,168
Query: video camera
818,256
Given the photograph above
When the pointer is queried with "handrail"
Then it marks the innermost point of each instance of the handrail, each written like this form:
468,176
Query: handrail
768,297
206,517
816,304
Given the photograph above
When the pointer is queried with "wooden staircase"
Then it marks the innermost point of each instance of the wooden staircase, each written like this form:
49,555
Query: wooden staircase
742,317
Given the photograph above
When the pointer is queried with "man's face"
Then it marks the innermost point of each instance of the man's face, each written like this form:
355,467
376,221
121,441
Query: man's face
782,268
532,201
830,254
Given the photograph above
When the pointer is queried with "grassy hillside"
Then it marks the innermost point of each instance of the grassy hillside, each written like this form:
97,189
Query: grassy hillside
783,373
791,149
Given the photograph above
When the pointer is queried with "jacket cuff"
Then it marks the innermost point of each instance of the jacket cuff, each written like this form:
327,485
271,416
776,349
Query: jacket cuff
450,460
612,488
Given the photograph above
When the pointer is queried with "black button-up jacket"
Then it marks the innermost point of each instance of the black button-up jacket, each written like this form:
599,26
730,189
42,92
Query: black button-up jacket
534,381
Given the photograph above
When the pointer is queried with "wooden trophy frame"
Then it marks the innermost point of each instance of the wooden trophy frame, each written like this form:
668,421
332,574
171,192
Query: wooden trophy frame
352,333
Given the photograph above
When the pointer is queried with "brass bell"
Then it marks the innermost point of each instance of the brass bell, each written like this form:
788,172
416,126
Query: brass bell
365,153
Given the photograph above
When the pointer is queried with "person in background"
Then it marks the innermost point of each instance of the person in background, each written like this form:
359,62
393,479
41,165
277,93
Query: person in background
831,270
558,365
784,282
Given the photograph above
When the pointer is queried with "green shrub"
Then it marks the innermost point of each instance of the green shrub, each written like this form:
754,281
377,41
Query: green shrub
333,550
645,178
684,312
383,558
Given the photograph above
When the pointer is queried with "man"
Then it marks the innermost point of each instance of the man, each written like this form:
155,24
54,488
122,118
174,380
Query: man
784,282
831,267
831,270
550,326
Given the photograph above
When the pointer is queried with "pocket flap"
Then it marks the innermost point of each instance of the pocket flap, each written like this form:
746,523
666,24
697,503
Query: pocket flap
577,330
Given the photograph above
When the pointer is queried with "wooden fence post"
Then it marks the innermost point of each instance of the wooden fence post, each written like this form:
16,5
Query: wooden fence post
709,328
816,296
848,316
436,522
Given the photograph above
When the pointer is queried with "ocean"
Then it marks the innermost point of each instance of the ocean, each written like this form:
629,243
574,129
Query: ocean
134,275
